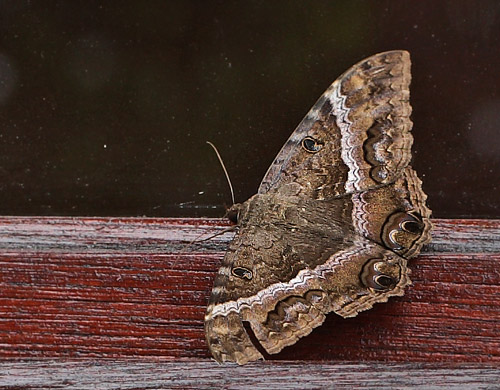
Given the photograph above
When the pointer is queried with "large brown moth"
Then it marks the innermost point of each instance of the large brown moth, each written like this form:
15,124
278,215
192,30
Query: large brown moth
334,221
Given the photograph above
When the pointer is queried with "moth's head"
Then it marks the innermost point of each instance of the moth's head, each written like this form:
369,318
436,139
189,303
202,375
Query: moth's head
233,213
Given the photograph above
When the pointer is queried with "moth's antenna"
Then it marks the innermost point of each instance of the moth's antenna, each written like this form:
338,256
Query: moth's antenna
224,168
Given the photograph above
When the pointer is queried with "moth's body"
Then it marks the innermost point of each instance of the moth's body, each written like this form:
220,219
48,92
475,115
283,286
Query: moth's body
335,218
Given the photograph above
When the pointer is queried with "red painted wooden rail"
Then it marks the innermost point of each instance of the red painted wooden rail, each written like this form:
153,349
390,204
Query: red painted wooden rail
136,288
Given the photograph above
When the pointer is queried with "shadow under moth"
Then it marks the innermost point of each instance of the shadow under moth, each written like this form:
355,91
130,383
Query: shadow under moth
333,223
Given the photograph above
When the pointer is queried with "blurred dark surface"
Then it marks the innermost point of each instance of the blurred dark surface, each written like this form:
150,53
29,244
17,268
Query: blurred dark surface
105,106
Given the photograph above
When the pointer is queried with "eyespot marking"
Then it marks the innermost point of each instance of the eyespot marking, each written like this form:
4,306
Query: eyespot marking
311,144
401,230
242,273
379,275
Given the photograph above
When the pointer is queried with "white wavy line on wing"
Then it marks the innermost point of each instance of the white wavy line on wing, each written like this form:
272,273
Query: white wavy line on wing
322,269
359,212
341,113
282,288
236,306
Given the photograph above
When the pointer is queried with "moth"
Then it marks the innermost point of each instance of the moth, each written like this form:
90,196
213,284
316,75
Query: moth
335,219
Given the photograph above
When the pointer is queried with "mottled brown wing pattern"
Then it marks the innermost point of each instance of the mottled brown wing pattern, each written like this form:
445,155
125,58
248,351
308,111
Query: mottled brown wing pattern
335,220
282,312
363,121
262,266
395,215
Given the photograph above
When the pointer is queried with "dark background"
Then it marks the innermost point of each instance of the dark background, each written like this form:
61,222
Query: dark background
105,106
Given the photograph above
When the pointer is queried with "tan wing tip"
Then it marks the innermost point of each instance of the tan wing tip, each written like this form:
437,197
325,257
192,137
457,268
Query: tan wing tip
404,55
228,341
395,62
390,56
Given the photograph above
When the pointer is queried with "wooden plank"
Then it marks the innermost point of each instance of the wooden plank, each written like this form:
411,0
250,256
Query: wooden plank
128,287
133,374
161,235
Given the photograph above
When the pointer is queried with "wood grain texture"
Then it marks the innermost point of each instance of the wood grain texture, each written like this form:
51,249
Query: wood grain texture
133,374
129,287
